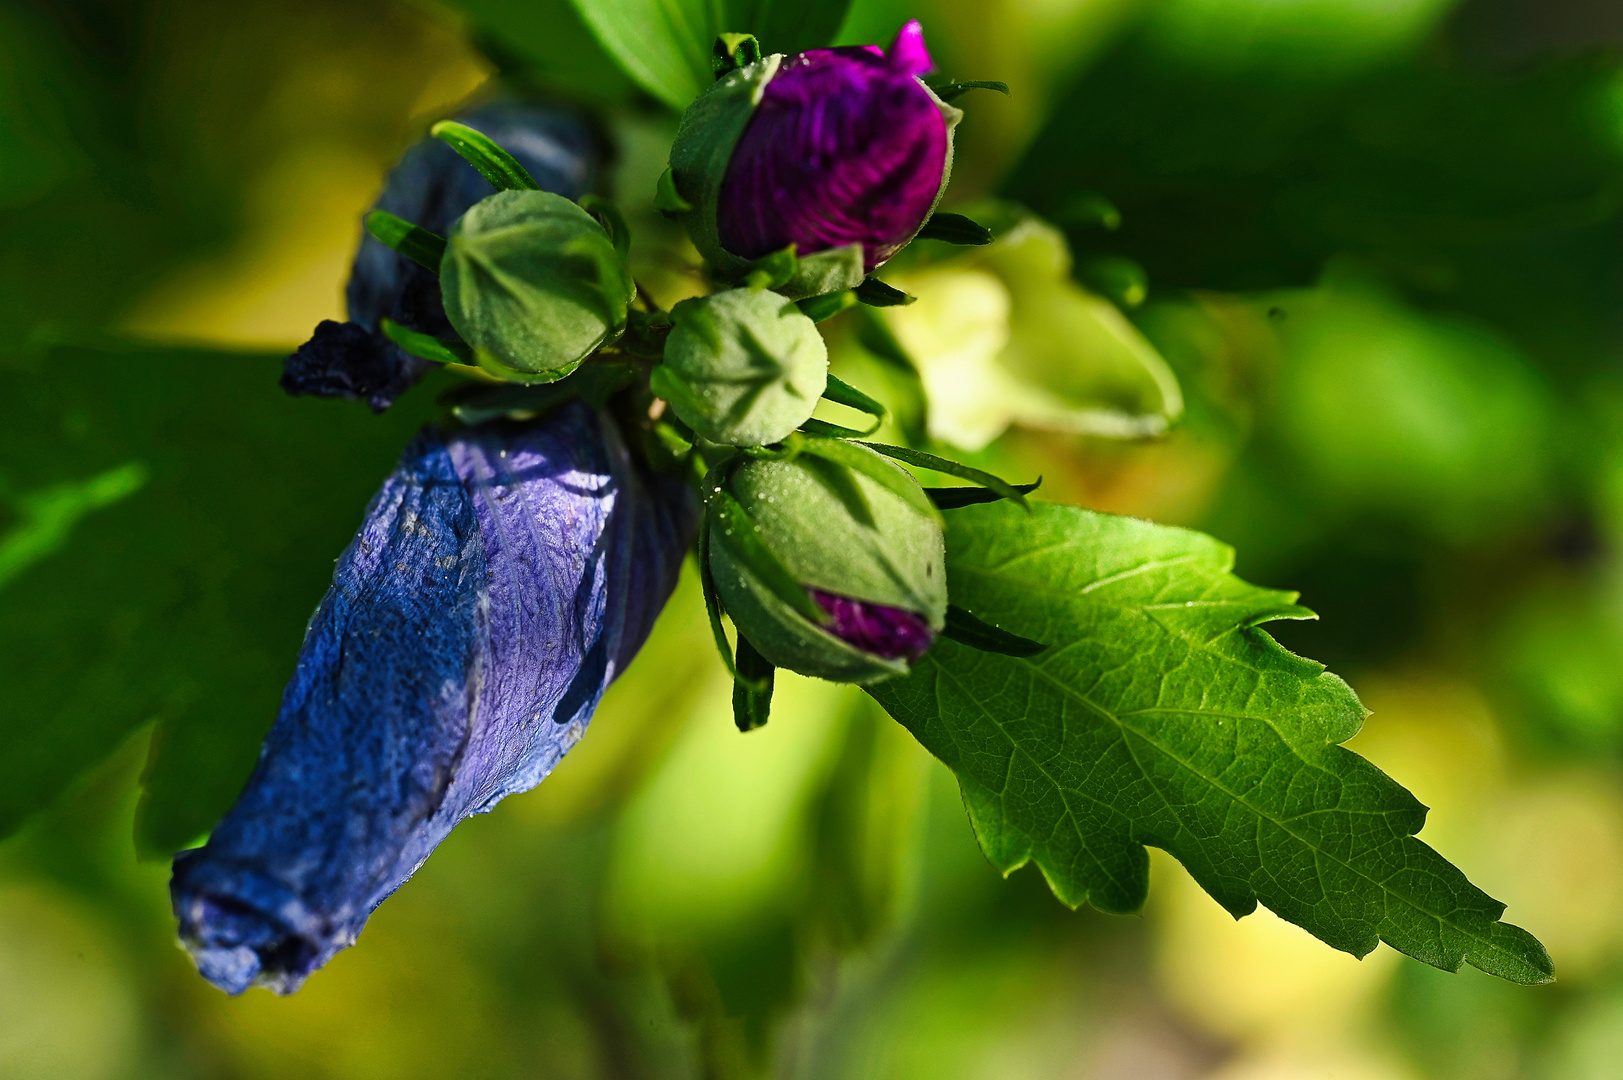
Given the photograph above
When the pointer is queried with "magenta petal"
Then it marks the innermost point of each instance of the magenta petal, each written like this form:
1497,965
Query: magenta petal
907,55
846,146
886,632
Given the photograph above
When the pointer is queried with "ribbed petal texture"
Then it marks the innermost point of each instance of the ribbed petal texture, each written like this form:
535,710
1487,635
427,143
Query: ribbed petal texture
887,632
846,146
432,187
500,581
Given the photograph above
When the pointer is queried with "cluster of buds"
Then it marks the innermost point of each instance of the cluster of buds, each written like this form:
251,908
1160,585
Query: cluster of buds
511,567
795,177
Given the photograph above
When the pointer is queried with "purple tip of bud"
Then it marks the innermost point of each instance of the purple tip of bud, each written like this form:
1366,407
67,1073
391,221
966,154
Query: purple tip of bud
501,578
845,147
886,632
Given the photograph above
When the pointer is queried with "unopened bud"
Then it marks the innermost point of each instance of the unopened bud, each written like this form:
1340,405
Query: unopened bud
534,284
869,556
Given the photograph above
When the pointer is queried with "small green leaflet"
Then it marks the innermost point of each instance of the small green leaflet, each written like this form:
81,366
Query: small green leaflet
1162,715
665,45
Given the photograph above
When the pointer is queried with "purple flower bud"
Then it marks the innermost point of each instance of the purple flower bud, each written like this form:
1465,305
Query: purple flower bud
846,146
502,577
889,632
432,187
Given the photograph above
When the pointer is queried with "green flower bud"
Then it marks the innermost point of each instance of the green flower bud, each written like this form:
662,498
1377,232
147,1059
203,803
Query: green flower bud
533,284
743,367
864,543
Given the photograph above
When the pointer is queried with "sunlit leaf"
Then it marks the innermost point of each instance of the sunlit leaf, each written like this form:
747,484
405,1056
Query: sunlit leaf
666,46
1161,715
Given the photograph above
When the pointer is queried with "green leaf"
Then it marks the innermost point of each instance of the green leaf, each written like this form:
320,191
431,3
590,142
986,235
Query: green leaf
174,520
495,164
1161,715
416,243
666,45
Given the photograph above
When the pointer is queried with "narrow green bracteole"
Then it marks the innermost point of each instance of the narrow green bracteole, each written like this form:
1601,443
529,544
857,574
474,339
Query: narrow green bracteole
772,271
614,223
955,229
752,689
966,629
712,602
824,429
876,293
828,305
494,164
843,393
729,52
952,498
952,468
667,200
416,243
950,90
427,347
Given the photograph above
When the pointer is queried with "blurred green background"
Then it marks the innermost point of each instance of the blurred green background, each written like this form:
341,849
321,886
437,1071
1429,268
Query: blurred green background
1377,241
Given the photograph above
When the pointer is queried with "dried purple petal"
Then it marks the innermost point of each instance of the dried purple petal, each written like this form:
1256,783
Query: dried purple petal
343,360
846,146
888,632
502,577
432,187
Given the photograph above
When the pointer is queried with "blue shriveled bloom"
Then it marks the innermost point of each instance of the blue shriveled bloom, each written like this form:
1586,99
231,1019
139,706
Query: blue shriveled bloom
502,577
432,187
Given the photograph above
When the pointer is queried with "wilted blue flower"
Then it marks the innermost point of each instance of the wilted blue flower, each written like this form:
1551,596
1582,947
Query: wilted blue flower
432,187
502,577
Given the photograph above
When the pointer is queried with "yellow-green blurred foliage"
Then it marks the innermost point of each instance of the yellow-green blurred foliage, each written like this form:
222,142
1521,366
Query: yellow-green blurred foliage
1382,257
